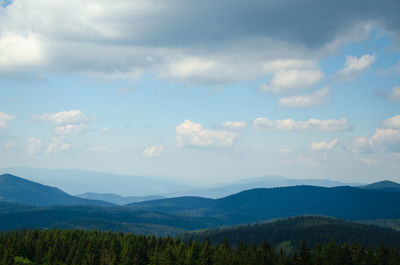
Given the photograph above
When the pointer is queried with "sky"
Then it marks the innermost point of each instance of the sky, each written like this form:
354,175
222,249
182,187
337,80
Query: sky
202,91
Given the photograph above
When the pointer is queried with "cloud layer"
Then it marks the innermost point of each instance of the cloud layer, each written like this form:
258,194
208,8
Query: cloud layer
309,125
124,39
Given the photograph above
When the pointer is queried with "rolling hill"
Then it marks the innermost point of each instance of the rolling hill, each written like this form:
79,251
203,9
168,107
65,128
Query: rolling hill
261,204
19,190
117,199
118,219
290,232
385,185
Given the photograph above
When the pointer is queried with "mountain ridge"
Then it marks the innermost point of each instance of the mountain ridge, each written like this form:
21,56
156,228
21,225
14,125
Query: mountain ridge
20,190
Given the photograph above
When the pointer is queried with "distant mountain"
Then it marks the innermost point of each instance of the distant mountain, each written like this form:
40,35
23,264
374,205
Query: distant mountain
19,190
271,181
117,199
261,204
385,185
290,232
76,181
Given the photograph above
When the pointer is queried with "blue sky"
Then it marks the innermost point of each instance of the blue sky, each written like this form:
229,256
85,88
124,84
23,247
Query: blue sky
202,92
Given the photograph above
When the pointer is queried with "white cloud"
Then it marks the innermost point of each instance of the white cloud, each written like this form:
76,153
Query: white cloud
107,130
5,119
309,125
387,139
61,118
317,98
70,129
394,94
233,125
323,146
34,145
354,66
292,80
153,151
57,145
392,123
361,145
190,134
19,51
285,151
99,148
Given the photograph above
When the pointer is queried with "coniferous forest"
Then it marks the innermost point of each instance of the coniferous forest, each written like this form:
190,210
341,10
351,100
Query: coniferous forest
95,247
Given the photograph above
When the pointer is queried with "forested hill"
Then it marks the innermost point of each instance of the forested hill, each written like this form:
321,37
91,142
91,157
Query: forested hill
290,232
93,248
385,185
262,204
19,190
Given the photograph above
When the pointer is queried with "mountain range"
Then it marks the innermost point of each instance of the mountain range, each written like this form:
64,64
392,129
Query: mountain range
28,204
19,190
79,182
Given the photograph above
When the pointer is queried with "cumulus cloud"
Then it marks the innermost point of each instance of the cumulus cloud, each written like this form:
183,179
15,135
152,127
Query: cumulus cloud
317,98
361,145
61,118
292,80
392,123
70,129
57,145
153,151
128,38
233,125
190,134
387,140
309,125
34,145
394,94
323,146
5,119
18,51
354,66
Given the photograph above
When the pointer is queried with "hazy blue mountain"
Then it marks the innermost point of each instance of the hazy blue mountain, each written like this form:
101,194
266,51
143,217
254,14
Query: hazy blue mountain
117,199
19,190
290,232
272,181
261,204
385,185
79,181
76,181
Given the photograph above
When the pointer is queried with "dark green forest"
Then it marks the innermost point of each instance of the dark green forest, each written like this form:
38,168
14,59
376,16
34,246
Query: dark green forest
290,232
94,247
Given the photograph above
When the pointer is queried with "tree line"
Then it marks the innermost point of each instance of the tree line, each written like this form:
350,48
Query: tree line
55,247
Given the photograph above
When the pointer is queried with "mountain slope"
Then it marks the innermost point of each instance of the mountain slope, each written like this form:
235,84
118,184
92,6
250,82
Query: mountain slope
74,181
19,190
117,199
15,217
385,185
291,231
262,204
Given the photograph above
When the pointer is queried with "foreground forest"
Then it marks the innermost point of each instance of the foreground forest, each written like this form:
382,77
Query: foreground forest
85,247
